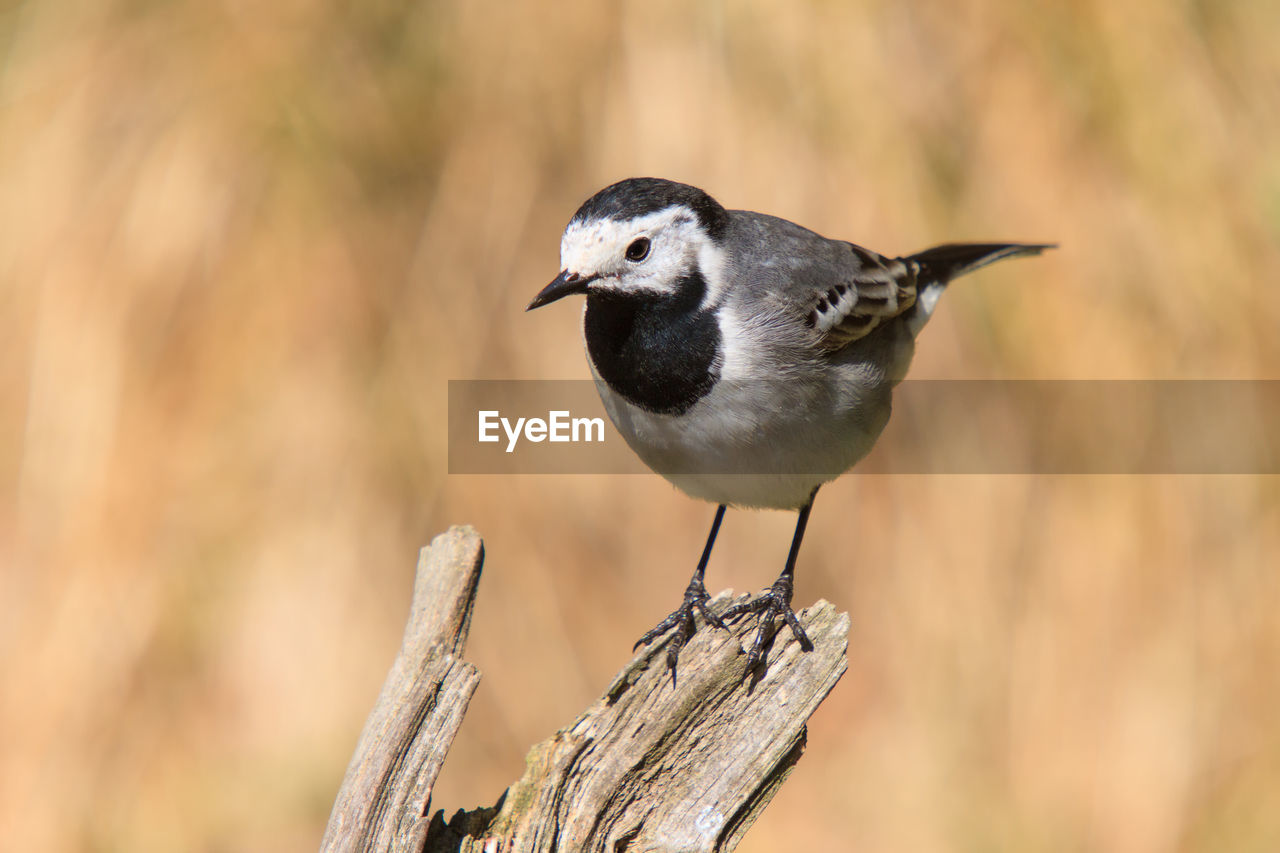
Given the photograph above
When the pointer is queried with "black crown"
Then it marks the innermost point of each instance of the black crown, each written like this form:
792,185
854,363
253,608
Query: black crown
634,197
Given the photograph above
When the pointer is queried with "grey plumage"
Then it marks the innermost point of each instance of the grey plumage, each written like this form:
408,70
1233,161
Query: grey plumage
841,290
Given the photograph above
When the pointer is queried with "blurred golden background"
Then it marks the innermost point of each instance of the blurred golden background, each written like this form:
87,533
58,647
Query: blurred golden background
244,246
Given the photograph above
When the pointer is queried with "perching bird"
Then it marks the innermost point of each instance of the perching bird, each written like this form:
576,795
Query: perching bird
744,358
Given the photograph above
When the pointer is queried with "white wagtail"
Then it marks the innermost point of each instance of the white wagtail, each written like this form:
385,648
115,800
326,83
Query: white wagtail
744,358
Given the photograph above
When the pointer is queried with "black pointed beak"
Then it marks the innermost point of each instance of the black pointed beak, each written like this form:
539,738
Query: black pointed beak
563,285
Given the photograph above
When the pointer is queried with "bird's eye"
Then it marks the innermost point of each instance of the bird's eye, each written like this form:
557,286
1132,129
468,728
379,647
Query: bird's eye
638,250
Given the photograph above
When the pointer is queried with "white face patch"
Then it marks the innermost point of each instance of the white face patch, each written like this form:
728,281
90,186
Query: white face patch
711,262
677,243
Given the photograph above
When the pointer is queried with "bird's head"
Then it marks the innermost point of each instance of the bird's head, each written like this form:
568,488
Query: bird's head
641,236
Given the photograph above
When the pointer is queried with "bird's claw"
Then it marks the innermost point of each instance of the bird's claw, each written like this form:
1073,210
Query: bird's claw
682,619
773,603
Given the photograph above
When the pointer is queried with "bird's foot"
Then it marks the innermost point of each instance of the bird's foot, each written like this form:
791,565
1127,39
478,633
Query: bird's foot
773,603
695,601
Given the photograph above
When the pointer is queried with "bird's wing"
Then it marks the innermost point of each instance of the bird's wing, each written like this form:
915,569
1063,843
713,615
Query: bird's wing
842,292
868,290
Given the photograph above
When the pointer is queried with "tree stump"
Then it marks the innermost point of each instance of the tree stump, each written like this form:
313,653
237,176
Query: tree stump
650,765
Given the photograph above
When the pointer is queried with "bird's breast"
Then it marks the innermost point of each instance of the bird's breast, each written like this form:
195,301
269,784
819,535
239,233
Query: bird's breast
660,353
756,443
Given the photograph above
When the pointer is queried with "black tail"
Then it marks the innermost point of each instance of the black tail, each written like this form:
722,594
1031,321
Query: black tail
943,263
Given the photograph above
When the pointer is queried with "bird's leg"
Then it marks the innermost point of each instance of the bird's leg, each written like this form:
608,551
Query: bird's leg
695,600
776,600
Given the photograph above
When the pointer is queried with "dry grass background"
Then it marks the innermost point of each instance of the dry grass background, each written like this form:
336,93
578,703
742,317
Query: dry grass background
243,247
